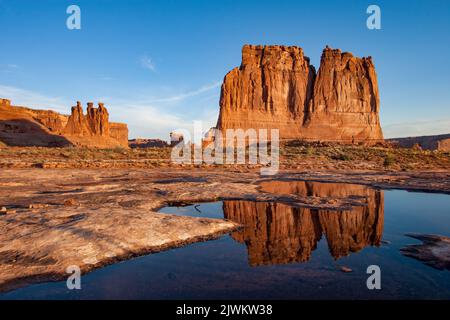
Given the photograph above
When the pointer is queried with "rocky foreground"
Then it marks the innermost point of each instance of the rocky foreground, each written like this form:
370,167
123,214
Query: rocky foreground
54,218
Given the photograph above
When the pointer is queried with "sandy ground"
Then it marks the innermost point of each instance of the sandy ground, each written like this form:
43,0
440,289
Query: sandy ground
55,218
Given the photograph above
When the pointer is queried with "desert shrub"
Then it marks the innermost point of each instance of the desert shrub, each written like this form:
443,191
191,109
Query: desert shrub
309,150
119,149
66,154
388,160
341,157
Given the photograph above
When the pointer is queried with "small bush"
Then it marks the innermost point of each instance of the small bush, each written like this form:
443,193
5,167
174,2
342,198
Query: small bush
341,157
388,160
309,151
119,149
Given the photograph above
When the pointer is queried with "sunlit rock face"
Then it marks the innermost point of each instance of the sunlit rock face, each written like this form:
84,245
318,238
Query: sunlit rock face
271,89
94,128
94,123
277,233
22,126
276,87
98,119
346,104
119,132
76,123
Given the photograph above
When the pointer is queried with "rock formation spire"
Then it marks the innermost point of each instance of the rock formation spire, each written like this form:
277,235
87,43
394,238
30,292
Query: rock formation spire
277,87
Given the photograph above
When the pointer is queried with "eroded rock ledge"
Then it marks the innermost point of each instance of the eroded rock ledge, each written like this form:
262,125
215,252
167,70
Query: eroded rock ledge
434,251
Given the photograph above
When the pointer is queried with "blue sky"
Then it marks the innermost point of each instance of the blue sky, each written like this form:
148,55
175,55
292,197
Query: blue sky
158,65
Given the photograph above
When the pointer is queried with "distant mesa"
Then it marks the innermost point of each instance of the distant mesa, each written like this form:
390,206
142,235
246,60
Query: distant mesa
147,143
437,142
276,87
21,126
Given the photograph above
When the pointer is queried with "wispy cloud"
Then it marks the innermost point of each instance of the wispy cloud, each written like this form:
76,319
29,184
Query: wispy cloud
146,116
147,63
152,118
33,99
184,95
8,68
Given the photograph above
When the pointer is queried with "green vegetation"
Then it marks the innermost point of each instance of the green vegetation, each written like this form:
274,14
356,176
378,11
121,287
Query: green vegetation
388,160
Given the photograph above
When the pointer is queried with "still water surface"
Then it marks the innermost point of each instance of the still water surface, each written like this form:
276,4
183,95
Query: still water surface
284,252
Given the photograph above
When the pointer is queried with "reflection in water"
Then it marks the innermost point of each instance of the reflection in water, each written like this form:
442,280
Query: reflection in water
219,269
276,233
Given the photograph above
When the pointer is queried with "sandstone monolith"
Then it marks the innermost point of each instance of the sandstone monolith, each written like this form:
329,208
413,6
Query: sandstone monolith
276,87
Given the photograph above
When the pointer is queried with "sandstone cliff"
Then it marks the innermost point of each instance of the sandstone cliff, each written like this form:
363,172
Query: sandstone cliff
271,89
119,132
276,87
21,126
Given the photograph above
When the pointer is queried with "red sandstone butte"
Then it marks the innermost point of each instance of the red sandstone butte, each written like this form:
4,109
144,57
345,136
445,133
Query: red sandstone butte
21,126
276,87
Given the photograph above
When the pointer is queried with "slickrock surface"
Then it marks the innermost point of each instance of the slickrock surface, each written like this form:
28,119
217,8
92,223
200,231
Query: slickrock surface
55,218
20,126
434,251
276,87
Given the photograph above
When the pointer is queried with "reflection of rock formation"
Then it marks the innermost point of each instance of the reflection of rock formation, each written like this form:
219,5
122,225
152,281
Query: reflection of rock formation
276,233
315,189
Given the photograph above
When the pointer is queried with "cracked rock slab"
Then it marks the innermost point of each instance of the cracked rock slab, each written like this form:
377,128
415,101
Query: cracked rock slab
434,251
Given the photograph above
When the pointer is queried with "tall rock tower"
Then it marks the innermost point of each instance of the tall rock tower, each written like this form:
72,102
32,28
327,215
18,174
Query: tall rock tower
345,105
271,89
277,88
